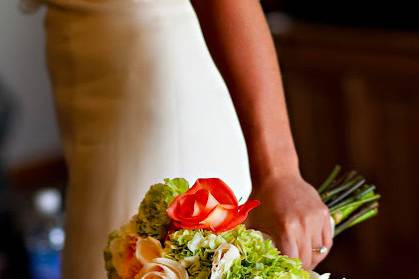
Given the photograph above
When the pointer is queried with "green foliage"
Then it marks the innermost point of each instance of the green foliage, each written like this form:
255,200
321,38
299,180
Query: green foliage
259,258
152,219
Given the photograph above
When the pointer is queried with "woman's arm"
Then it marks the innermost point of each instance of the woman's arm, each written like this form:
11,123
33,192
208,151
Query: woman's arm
239,40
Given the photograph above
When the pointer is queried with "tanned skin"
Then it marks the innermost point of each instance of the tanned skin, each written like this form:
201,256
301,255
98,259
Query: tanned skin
241,45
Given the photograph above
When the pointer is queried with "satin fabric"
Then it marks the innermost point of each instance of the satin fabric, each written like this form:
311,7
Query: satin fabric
138,100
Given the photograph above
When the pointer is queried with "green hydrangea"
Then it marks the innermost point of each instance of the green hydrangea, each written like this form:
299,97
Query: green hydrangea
152,219
194,249
258,257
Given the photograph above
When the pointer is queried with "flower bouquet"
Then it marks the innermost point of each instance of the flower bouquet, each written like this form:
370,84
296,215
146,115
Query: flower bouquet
181,232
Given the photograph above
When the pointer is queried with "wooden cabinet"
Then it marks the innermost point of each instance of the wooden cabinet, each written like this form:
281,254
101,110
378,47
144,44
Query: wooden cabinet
353,98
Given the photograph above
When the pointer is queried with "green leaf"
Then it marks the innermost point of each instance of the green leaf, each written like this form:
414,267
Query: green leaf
178,185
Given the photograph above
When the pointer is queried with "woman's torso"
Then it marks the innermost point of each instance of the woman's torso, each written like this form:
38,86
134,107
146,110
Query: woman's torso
139,99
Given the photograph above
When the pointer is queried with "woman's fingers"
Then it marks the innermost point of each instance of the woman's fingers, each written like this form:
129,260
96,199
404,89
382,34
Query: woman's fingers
295,241
328,231
322,239
287,244
305,251
297,217
317,251
303,237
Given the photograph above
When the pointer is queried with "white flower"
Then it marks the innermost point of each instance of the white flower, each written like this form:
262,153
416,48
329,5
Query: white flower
314,275
194,244
223,259
188,261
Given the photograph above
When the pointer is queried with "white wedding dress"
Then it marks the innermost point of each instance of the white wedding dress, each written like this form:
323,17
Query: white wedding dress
139,99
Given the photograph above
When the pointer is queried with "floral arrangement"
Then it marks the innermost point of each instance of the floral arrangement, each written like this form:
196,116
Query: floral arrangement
181,232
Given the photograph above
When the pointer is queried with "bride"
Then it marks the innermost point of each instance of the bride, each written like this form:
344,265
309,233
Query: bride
142,94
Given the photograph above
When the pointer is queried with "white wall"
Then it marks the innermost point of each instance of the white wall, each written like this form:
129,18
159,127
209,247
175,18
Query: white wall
23,70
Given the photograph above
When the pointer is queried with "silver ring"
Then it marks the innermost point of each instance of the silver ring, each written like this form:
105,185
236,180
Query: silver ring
321,250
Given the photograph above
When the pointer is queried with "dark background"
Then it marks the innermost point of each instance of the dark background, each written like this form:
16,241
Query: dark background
351,79
399,15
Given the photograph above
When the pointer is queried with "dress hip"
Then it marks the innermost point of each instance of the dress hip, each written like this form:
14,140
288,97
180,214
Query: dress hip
138,100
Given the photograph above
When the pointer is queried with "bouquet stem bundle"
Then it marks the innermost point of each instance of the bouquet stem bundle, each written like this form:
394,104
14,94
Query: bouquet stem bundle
349,198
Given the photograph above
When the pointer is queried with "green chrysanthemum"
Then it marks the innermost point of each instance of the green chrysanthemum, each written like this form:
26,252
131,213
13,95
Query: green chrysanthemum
152,219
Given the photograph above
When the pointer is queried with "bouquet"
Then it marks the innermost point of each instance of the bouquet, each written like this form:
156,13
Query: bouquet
181,232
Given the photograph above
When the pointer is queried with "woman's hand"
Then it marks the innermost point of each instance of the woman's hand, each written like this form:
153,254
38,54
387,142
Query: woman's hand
293,214
239,40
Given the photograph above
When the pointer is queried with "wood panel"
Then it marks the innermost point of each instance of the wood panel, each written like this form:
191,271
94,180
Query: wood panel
353,98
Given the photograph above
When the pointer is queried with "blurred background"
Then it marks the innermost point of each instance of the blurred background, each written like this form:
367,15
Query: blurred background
351,78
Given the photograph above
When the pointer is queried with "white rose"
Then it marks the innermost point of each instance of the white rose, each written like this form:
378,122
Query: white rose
223,259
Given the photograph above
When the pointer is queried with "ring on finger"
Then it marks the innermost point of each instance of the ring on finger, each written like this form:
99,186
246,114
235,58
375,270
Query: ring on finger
321,250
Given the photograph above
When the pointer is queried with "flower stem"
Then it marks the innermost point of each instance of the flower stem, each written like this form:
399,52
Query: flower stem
326,196
347,192
349,199
345,211
329,179
364,213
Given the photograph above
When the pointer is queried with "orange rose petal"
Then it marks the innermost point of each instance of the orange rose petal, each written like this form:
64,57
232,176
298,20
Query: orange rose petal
204,203
189,226
221,192
189,210
209,204
242,213
211,201
217,217
224,217
182,208
192,207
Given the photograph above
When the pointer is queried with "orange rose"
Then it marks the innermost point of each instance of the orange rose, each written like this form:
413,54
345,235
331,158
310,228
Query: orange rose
209,204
